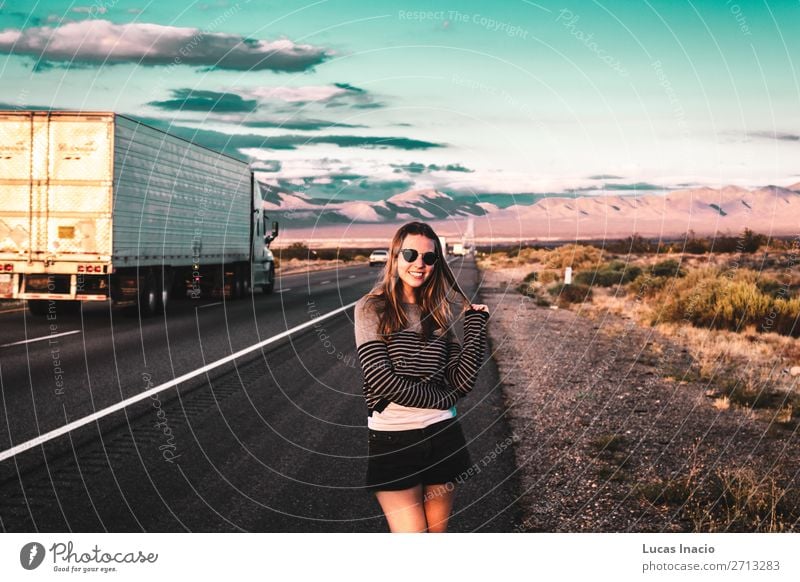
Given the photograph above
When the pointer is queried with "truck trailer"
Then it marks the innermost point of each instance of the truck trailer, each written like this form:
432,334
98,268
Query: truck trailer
99,206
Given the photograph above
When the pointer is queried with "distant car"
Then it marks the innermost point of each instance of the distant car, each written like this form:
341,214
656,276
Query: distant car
379,257
459,250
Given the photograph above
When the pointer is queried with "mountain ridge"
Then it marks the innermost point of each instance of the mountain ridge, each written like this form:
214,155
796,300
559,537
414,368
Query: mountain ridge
769,209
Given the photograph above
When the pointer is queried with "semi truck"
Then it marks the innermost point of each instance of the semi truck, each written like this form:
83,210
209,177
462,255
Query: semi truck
97,206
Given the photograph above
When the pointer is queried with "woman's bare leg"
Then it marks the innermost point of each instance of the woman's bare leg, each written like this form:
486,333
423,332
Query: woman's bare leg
438,505
404,510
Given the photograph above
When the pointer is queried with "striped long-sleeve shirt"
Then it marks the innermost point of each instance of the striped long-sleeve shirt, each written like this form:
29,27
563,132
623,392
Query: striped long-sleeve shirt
411,372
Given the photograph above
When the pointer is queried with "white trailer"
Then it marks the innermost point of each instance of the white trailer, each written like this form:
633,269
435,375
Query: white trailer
98,206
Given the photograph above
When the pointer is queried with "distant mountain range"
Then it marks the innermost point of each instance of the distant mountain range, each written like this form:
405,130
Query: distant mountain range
411,205
770,210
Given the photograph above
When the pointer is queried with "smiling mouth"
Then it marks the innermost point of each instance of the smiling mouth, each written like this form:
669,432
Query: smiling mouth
416,275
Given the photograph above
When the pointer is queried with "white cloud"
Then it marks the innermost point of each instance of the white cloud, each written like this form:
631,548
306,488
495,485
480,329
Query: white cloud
102,41
89,9
295,94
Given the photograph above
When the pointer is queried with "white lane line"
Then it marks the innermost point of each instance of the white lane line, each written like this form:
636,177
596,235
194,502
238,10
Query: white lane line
48,436
283,290
324,282
40,339
209,305
351,277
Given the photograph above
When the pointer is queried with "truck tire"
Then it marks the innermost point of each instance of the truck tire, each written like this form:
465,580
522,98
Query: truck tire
165,286
245,283
237,284
270,287
148,296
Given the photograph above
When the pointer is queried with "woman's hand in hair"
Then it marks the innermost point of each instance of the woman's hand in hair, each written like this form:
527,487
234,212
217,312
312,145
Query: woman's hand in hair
479,307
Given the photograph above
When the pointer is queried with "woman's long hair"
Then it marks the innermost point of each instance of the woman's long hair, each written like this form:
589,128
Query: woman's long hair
433,297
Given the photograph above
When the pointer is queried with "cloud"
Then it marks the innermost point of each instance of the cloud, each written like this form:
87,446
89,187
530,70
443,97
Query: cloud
456,168
336,95
23,107
417,168
89,9
232,143
349,141
296,94
104,42
779,135
350,88
335,188
297,124
278,107
267,166
635,186
194,100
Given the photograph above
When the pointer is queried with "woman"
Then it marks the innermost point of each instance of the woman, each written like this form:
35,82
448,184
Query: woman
414,372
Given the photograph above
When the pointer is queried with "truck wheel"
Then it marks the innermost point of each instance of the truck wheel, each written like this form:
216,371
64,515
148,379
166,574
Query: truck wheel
245,283
37,307
165,286
269,287
236,284
148,296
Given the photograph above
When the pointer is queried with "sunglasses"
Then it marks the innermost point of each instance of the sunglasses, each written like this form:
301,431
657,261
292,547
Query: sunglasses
410,255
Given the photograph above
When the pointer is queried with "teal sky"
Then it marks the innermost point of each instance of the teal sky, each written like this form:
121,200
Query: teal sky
528,96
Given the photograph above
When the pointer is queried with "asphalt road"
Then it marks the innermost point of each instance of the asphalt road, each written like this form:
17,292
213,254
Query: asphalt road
274,442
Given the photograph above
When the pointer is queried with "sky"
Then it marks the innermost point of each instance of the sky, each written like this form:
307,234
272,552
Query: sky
357,100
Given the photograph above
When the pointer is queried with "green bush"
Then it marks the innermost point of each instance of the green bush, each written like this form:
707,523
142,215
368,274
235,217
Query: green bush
696,246
526,290
572,255
301,251
725,244
751,241
296,250
787,317
531,277
705,298
613,273
525,254
648,286
633,244
334,254
575,293
532,291
773,288
549,277
668,268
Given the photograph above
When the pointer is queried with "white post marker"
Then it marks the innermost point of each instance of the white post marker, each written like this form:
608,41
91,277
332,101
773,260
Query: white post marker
568,276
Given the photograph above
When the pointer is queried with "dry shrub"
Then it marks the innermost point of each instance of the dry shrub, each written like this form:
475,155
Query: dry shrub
728,499
546,277
575,256
707,298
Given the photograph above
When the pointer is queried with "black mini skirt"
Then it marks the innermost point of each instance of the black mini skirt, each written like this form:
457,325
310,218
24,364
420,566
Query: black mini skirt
401,459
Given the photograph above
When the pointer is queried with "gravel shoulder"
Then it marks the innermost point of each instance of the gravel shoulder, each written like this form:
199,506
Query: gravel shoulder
610,421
